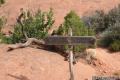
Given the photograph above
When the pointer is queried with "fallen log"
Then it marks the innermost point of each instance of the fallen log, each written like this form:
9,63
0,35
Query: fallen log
26,44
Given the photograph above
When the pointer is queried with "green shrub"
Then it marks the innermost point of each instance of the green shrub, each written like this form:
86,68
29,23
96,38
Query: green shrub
79,48
110,36
72,20
0,37
115,46
106,26
104,42
100,21
2,2
36,26
79,29
1,23
117,73
96,21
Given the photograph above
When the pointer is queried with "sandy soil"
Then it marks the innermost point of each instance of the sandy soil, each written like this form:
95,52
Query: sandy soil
36,64
108,64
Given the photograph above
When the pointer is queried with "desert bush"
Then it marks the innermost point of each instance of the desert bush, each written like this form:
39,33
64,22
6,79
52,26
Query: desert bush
115,45
106,26
117,73
1,23
113,16
111,37
100,21
96,21
72,20
2,2
36,26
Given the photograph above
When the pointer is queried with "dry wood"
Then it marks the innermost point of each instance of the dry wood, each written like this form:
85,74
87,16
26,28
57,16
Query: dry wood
71,57
26,44
29,41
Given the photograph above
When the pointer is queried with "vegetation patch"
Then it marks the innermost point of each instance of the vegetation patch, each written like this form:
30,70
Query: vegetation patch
72,20
35,26
106,27
2,23
2,2
117,73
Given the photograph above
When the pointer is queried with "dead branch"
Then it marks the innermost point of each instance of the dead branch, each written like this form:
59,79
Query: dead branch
29,41
26,44
19,21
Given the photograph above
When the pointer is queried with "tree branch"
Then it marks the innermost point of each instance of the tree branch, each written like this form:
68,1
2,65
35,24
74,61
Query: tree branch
26,44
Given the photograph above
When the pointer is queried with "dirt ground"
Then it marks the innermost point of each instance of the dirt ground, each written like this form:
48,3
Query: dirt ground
37,64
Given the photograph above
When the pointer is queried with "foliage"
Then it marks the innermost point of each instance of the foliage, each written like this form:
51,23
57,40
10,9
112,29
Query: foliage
100,21
115,46
2,2
36,26
79,29
1,22
113,16
117,73
73,20
106,25
111,37
96,21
